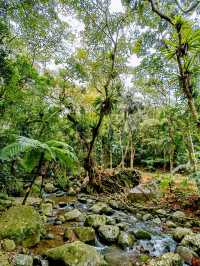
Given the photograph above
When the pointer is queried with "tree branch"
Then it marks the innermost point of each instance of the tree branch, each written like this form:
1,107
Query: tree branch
159,13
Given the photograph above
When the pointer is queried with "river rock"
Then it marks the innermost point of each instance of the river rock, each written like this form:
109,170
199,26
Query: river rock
22,224
74,215
101,208
95,220
23,260
168,259
141,193
142,234
178,216
161,212
157,221
4,260
125,239
109,233
72,254
49,188
186,254
46,208
8,245
180,232
192,241
85,234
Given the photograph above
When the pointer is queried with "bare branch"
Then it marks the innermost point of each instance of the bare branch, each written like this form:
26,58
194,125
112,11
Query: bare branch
159,13
189,9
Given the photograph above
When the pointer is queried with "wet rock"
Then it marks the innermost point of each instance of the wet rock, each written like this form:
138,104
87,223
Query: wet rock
168,259
142,234
95,220
147,217
180,232
126,240
49,188
23,260
141,193
62,205
8,245
38,261
74,215
4,260
109,233
192,241
85,234
72,254
46,208
186,254
22,224
178,216
101,208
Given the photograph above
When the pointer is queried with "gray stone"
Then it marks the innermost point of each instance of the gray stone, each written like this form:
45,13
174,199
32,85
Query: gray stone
147,217
49,188
192,241
109,233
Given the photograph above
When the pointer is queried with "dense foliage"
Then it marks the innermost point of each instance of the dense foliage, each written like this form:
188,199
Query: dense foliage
67,75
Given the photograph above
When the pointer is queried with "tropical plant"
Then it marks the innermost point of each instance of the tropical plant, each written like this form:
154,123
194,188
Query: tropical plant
35,156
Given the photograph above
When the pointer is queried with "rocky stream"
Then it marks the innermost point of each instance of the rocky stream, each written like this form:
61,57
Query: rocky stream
85,230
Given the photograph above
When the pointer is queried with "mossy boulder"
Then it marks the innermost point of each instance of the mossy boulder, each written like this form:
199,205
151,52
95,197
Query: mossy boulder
168,259
100,208
72,254
95,220
85,234
21,224
142,234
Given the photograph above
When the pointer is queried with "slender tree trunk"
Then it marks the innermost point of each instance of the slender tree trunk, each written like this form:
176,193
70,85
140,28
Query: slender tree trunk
111,159
191,151
33,180
132,153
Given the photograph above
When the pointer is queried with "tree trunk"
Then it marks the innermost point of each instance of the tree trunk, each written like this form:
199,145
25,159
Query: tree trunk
132,153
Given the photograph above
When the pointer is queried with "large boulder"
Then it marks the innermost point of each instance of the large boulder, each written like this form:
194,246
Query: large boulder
142,234
21,224
168,259
109,233
50,188
8,245
95,220
72,254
